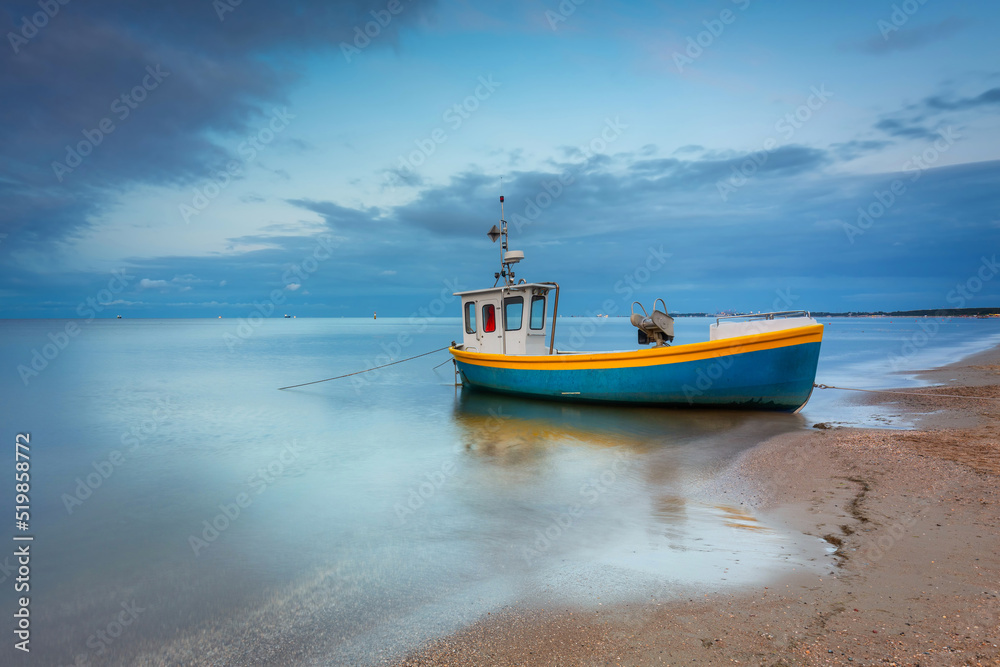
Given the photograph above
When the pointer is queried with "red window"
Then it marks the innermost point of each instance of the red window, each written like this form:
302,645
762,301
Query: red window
489,319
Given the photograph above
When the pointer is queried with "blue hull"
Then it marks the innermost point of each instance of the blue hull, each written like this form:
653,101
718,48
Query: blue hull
772,379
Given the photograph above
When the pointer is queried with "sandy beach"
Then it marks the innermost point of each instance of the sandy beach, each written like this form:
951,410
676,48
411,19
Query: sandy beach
911,517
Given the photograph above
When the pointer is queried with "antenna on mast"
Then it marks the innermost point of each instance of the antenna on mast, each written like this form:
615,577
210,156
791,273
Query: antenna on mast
506,271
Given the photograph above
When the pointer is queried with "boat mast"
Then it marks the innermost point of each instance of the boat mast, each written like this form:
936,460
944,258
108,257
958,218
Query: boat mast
506,272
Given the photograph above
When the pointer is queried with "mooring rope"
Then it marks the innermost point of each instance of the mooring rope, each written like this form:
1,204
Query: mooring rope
906,393
442,364
292,386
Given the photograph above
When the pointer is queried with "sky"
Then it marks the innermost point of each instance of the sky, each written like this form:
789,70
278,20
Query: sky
218,157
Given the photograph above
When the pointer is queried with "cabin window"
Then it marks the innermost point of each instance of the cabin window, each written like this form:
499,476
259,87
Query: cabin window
489,318
513,311
537,313
470,317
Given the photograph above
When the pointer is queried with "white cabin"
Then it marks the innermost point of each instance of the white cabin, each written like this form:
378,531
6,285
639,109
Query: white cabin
509,319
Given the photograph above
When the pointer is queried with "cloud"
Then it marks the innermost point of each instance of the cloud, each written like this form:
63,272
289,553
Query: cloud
850,150
292,287
217,81
402,177
337,216
784,229
906,39
987,98
900,128
571,190
183,283
673,173
915,120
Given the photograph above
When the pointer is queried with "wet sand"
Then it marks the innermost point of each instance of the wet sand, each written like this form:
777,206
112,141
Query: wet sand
913,523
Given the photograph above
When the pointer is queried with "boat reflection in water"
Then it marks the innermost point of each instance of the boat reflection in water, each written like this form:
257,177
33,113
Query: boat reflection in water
594,497
494,423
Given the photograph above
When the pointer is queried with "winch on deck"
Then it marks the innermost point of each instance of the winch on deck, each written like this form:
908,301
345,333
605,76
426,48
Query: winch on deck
657,328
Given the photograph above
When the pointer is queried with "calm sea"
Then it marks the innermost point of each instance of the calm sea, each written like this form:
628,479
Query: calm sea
185,511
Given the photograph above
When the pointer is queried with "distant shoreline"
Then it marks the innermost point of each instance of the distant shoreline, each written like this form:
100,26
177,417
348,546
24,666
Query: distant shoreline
976,313
939,312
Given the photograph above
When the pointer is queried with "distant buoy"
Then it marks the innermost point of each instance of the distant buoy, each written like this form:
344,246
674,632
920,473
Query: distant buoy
375,315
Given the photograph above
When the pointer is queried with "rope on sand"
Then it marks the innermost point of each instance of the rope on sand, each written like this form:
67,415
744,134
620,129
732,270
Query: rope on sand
907,393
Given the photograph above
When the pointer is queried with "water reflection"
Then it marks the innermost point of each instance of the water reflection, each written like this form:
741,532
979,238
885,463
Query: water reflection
584,495
739,519
495,424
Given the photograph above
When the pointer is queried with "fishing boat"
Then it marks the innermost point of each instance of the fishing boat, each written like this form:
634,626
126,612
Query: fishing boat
764,361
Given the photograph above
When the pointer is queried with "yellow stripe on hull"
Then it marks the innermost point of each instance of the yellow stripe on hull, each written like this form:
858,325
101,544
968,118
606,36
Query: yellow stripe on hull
647,357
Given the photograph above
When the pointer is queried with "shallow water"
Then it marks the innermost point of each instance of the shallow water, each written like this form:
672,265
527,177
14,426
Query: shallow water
340,522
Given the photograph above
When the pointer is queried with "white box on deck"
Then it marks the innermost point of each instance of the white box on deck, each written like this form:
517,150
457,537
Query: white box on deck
734,328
